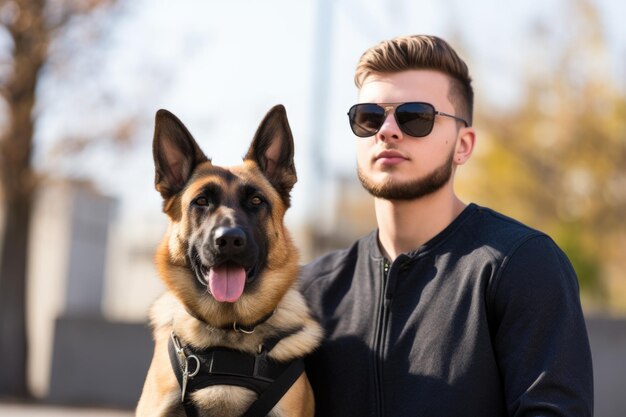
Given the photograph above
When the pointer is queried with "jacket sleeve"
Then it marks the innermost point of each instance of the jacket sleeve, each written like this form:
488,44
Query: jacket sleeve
539,337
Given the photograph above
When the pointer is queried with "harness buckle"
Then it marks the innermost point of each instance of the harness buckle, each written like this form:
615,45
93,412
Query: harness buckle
183,363
261,363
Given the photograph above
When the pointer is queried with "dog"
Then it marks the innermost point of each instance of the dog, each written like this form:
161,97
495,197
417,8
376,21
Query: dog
231,326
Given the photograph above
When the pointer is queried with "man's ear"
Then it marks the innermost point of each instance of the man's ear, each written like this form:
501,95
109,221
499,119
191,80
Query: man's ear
175,152
272,149
464,145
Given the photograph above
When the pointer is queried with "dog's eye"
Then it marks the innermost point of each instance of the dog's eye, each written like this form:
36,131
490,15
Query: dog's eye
256,200
201,201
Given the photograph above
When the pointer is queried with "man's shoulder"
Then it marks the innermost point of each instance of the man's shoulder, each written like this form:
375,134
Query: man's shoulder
496,222
498,232
516,245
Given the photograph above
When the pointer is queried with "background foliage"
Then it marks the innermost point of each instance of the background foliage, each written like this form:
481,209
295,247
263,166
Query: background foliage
557,161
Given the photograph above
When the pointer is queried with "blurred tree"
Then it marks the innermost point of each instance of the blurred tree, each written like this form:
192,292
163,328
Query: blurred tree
32,26
558,160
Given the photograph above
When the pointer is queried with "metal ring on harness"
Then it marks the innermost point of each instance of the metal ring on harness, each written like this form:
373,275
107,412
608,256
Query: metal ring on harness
239,329
194,357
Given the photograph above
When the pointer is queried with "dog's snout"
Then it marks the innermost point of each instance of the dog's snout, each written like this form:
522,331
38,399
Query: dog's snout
229,240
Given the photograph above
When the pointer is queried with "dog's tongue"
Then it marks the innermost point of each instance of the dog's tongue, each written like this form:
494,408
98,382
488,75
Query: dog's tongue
226,282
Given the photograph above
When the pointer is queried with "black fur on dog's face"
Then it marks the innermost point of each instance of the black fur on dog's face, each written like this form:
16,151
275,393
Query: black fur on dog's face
226,223
227,218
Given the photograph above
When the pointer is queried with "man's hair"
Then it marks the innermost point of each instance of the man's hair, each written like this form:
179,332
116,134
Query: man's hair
421,52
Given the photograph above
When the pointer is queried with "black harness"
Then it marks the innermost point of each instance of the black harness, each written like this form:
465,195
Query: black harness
198,369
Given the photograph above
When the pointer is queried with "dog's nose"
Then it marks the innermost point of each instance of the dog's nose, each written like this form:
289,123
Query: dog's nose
229,240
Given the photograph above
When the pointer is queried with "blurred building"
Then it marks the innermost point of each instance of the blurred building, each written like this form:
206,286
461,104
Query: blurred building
77,329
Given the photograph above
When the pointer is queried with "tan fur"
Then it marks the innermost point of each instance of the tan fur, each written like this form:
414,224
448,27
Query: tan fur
161,391
275,292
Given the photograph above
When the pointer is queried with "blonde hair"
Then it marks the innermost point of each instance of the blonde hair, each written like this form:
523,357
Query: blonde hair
421,52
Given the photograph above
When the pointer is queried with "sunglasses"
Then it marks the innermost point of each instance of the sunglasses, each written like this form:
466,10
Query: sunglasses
414,118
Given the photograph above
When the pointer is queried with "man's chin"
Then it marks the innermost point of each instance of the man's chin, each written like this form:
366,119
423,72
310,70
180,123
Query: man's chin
388,188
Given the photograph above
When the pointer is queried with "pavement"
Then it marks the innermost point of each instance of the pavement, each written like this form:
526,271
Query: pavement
27,410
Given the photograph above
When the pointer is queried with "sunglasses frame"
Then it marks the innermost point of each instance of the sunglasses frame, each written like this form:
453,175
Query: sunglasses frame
394,106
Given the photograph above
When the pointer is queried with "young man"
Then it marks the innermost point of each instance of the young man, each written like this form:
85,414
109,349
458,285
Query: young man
446,309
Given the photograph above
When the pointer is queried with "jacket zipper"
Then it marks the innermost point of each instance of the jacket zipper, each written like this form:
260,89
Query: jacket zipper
381,329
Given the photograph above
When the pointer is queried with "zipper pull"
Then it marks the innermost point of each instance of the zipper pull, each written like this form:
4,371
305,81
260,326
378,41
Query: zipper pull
387,297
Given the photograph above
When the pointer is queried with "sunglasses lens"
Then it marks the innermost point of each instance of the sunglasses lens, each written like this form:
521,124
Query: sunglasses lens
415,119
366,119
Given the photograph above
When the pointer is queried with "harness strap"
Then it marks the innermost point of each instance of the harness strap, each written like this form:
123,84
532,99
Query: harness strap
270,379
270,397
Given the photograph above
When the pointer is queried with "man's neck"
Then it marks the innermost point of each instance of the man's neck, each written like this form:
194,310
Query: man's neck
404,226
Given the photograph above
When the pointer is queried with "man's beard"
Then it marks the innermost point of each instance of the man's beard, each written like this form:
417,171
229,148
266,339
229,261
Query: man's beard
412,189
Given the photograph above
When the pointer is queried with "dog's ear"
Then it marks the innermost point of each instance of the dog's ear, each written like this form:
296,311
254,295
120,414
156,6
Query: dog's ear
176,154
272,150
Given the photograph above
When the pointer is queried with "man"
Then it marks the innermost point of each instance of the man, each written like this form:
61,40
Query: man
446,309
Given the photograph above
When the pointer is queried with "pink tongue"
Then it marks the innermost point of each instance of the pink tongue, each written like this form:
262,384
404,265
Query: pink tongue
226,282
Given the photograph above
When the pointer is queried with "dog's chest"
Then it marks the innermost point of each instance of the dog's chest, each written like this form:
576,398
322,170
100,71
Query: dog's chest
226,401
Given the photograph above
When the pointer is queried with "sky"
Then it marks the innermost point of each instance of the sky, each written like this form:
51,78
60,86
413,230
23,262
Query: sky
220,66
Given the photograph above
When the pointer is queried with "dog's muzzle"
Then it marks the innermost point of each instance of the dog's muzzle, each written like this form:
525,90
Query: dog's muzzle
232,264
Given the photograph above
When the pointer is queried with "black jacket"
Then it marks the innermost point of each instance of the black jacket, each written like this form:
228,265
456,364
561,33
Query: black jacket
483,320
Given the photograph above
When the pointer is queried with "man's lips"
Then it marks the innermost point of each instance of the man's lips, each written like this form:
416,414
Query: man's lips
390,157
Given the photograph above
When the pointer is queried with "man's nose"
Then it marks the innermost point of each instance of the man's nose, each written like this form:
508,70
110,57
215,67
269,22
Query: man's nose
390,129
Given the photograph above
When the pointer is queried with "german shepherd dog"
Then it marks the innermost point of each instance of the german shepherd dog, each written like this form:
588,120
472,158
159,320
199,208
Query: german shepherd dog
230,269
